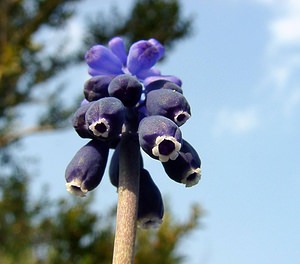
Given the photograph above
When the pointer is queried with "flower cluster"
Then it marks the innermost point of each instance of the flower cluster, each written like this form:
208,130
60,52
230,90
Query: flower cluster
126,94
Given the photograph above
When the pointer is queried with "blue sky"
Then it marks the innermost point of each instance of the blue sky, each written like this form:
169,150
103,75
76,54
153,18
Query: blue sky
239,72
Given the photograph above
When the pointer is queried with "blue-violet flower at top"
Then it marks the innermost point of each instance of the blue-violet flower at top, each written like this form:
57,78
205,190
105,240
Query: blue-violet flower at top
113,60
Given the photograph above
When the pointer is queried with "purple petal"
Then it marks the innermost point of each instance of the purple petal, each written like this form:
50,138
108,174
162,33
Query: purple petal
142,56
117,46
101,59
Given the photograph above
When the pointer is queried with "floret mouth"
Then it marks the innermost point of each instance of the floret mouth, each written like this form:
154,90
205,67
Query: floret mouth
166,147
149,222
75,188
193,176
181,117
100,128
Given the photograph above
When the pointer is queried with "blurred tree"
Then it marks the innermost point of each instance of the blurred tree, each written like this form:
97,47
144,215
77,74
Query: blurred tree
69,232
29,233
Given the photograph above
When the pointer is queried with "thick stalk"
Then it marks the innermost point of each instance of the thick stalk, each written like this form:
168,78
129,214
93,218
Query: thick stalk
128,193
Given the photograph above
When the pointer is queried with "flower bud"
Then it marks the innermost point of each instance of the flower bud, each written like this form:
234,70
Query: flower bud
86,169
126,88
150,206
97,87
160,137
186,168
105,118
117,46
103,60
143,55
170,104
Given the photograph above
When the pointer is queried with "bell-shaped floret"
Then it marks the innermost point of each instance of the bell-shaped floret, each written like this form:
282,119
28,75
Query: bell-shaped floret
114,166
170,104
150,205
162,84
105,118
97,87
160,137
127,88
143,55
186,168
79,122
102,60
86,169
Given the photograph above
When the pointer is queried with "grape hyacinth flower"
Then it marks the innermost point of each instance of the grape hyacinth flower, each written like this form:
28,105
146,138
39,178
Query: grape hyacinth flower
160,137
186,168
86,169
127,97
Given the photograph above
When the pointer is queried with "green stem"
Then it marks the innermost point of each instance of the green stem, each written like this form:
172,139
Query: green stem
128,193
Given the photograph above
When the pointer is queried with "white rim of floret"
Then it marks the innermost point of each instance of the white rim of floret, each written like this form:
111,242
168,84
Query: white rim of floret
173,155
196,172
75,187
186,114
149,221
92,127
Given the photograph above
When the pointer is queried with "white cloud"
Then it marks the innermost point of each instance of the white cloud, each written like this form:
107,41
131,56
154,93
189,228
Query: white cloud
236,121
283,54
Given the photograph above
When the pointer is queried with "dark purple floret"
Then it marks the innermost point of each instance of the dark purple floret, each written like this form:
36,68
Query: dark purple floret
79,122
150,206
157,77
105,118
163,84
186,168
127,88
170,104
86,169
97,87
159,137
